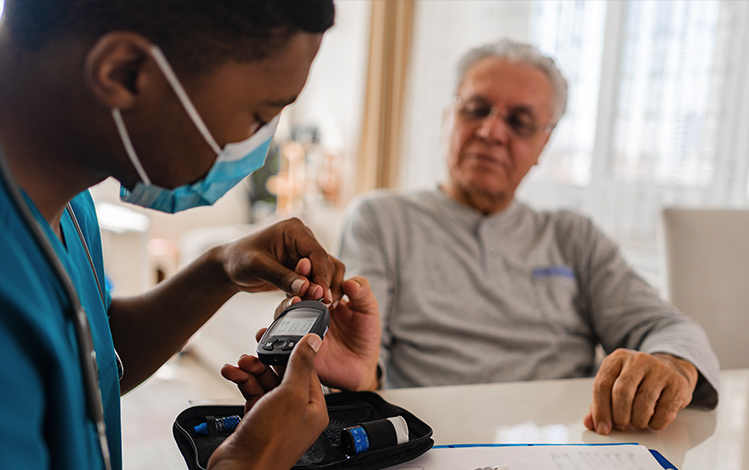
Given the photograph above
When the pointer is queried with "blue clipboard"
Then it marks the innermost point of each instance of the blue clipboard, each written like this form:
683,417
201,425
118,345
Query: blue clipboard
662,460
657,455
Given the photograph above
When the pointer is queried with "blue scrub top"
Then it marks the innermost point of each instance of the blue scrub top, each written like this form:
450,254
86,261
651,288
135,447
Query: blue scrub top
43,419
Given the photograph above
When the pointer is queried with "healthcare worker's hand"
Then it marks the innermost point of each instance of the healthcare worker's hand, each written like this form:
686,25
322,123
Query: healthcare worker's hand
639,389
265,260
283,417
350,352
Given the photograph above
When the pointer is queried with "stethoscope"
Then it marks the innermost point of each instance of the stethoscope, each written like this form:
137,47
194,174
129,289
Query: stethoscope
86,352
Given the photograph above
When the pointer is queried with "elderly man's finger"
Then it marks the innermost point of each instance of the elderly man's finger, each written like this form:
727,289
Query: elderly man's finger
646,400
328,272
672,400
286,303
623,394
259,334
357,289
336,288
588,420
321,276
600,409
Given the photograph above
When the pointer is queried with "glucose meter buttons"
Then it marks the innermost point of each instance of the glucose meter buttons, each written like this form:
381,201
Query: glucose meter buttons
269,345
289,345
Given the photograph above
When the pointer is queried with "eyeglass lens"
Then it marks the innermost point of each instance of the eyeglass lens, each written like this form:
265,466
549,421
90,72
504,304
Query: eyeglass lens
519,121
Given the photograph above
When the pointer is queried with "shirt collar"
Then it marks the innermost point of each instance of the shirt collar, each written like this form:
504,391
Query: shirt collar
507,218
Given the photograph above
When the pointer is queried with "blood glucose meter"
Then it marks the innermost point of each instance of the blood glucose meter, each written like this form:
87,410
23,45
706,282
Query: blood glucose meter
307,316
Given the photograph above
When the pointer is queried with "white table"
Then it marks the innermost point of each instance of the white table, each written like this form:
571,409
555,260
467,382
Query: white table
552,412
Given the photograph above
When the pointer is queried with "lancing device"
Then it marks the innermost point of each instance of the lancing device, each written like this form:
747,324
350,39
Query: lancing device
374,435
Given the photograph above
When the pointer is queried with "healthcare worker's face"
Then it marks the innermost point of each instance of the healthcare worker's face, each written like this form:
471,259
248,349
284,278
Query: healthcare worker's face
501,121
234,99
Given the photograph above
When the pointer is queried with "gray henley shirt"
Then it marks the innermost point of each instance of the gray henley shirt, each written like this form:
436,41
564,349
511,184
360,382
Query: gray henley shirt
516,295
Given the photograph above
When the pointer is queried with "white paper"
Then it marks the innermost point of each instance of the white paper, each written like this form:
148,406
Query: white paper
537,457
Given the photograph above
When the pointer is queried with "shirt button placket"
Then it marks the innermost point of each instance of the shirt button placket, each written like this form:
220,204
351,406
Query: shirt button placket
487,247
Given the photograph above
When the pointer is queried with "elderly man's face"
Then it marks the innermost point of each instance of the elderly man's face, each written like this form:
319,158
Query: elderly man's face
502,119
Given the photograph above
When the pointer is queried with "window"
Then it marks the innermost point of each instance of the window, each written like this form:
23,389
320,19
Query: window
672,70
672,65
572,32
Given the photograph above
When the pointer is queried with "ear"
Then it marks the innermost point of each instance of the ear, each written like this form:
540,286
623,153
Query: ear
548,136
446,124
546,141
117,68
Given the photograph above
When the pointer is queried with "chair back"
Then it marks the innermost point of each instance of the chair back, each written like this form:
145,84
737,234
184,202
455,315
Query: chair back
707,275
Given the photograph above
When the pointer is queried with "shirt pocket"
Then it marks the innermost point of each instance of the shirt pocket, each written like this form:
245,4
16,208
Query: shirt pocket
558,297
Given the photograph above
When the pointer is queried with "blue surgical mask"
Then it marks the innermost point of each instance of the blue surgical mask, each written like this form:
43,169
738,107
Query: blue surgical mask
233,163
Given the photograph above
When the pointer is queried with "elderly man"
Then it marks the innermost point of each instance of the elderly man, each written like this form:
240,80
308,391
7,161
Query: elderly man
474,286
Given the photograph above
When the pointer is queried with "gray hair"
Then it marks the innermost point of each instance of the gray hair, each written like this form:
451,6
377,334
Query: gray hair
513,51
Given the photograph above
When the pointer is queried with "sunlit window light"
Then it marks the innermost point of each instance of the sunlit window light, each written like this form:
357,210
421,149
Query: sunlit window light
2,7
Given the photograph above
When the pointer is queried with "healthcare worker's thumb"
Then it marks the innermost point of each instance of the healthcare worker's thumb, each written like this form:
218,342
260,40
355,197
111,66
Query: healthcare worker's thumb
301,364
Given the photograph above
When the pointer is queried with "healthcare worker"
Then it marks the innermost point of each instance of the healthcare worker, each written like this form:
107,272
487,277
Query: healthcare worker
178,100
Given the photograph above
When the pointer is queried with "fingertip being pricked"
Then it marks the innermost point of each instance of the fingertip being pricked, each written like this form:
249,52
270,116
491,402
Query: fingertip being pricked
351,286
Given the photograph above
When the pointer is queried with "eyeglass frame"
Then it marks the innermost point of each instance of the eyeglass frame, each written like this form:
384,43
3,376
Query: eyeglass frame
495,112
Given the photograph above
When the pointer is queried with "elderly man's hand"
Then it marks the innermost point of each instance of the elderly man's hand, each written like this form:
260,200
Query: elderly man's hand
349,354
639,389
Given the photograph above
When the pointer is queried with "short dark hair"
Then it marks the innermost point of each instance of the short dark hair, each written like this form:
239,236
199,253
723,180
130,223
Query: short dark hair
194,34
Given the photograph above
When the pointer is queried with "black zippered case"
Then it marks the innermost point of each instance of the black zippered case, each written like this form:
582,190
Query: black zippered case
345,409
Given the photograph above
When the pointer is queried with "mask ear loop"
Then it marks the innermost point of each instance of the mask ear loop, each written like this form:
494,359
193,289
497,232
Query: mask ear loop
171,77
117,115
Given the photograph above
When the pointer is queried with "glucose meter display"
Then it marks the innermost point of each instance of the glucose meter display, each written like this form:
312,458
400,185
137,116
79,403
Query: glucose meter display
295,323
307,316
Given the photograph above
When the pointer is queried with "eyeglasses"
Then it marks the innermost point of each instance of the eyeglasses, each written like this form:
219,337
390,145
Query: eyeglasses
520,122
